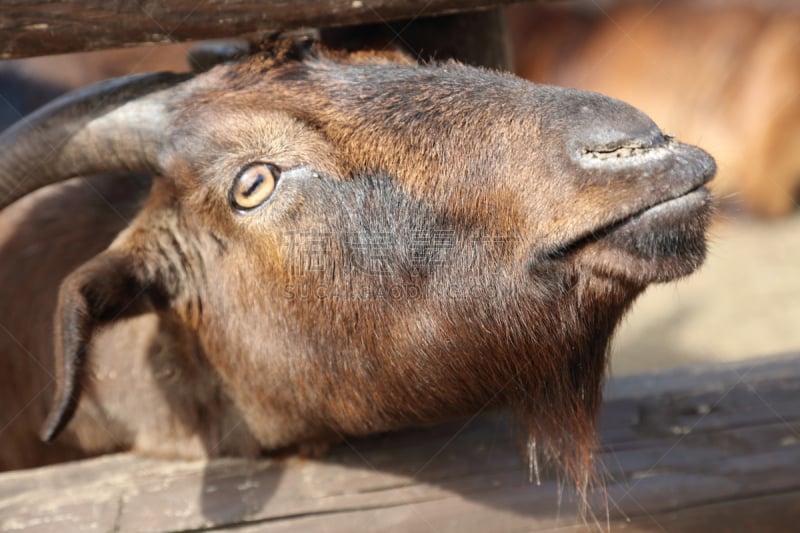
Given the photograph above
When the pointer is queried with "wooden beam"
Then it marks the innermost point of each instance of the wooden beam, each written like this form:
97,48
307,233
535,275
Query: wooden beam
724,457
40,27
477,38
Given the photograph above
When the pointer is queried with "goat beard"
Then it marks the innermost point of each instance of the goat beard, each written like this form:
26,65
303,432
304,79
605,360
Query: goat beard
545,356
558,414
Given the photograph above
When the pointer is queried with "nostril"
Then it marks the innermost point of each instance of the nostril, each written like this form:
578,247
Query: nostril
622,151
606,128
611,142
626,155
625,147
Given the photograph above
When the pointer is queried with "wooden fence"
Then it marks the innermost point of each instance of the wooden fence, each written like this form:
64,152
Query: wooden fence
715,449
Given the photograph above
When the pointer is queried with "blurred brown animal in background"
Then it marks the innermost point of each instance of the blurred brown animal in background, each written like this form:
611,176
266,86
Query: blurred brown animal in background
720,75
76,70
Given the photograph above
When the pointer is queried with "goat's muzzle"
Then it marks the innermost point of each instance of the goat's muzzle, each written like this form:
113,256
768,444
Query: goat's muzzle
660,234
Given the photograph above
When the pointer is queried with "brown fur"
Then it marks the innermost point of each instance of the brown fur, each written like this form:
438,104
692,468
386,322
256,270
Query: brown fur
443,240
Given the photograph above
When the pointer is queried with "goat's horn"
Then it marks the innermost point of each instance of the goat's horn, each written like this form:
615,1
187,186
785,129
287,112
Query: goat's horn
116,125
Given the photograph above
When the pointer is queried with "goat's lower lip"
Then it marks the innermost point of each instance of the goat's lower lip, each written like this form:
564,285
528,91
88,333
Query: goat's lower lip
676,209
697,197
661,243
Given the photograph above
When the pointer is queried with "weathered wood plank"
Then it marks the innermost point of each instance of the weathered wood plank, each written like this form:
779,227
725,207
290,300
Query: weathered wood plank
727,456
774,513
39,27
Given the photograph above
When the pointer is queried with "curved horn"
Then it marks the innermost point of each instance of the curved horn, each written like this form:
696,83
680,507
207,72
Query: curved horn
115,125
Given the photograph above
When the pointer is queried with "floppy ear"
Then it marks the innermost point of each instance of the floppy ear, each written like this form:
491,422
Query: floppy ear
111,286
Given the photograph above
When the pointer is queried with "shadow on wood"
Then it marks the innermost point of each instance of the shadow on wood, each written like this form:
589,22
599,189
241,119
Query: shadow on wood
691,455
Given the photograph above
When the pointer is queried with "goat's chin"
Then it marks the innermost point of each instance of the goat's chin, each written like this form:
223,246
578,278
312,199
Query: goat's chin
660,244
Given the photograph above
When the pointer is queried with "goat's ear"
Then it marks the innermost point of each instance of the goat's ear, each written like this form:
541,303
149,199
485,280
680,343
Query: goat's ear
111,286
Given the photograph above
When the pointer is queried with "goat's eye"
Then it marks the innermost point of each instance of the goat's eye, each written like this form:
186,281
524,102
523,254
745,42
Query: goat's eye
253,186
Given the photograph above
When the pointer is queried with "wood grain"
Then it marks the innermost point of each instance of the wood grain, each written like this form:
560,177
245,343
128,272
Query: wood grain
40,27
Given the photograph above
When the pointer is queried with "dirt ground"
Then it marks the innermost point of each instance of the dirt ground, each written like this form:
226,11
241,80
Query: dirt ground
744,302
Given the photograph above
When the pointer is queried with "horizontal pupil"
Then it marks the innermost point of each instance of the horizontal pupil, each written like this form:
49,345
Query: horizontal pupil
258,181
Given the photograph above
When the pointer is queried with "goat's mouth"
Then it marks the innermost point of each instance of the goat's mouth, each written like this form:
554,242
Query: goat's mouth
661,242
681,207
662,238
